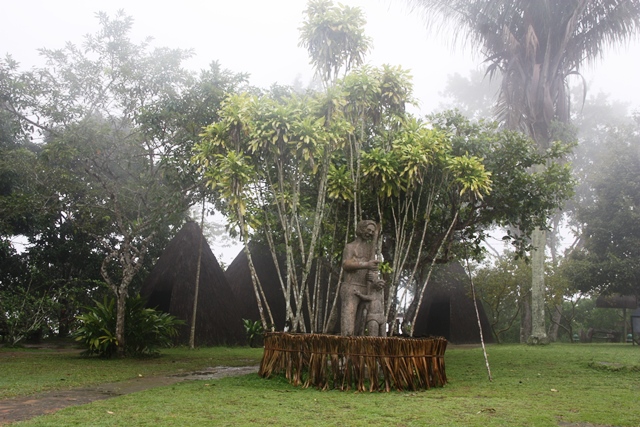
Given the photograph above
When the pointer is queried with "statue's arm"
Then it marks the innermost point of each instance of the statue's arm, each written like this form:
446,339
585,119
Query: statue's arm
363,297
350,262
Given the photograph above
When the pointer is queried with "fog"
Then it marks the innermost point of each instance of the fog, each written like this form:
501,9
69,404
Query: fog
261,38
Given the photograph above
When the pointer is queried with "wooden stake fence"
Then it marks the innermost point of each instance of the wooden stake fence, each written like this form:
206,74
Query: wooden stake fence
355,363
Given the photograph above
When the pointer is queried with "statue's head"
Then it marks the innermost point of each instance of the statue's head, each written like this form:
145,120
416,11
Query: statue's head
366,229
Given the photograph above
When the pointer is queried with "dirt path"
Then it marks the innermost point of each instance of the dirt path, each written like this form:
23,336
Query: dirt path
24,408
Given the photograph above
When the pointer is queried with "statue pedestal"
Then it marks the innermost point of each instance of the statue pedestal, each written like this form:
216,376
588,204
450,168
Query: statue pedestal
355,363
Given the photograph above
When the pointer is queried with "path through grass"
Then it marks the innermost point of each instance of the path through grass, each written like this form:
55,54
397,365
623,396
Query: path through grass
596,384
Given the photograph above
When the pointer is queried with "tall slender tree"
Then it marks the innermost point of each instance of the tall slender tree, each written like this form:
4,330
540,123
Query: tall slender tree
114,122
535,45
334,37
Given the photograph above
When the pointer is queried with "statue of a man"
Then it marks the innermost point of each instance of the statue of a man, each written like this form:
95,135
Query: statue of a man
360,267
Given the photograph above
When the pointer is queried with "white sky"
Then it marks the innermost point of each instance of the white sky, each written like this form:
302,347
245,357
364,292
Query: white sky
260,37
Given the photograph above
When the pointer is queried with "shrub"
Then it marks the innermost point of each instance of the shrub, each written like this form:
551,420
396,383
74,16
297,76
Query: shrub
146,329
254,331
23,314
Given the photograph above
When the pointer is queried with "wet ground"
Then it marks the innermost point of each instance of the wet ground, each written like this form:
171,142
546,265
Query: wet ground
24,408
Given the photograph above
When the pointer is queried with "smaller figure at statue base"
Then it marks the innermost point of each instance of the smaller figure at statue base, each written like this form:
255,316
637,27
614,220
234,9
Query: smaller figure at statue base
376,322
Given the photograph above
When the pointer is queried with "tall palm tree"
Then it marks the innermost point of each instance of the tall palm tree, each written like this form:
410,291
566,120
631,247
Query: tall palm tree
535,45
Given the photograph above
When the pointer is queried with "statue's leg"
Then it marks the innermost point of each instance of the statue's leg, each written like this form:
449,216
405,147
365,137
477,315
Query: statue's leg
348,306
376,325
361,317
373,328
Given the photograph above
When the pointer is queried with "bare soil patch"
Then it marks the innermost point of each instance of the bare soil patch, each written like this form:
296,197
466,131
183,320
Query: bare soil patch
24,408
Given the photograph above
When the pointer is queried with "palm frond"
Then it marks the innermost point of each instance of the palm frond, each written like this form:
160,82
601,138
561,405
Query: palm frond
535,45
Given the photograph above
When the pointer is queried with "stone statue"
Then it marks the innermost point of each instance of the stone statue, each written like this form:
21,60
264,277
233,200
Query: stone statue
376,322
360,269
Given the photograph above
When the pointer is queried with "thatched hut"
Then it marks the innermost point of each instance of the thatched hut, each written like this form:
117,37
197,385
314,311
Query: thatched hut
171,288
238,276
447,309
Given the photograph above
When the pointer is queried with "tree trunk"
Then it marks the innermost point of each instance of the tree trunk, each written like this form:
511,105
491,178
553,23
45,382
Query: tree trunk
194,313
257,286
538,329
525,319
121,304
556,318
63,319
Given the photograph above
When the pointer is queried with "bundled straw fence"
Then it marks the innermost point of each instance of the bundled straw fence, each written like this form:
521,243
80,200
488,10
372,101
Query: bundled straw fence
355,363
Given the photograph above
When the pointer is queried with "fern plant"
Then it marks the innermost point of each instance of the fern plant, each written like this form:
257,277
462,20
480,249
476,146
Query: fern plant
146,329
254,331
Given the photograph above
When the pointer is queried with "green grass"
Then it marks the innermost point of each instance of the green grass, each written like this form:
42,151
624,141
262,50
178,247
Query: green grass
597,384
25,371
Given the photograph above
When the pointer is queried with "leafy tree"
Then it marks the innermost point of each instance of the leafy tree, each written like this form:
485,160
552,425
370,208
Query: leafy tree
278,159
276,163
334,37
116,122
535,46
598,119
267,157
561,298
608,259
517,197
589,316
502,288
473,95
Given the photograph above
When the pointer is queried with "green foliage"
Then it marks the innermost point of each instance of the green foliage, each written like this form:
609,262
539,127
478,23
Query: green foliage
609,260
254,331
385,268
535,47
109,180
275,159
502,287
587,315
519,198
340,183
97,329
23,314
146,329
267,157
470,175
334,37
520,38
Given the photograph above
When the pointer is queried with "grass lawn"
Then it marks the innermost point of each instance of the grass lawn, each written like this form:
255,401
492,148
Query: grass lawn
560,384
26,371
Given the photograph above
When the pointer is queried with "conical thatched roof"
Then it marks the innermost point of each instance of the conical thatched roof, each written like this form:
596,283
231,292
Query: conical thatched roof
448,311
239,279
171,288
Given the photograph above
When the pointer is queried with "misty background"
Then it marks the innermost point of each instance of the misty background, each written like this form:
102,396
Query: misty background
261,38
